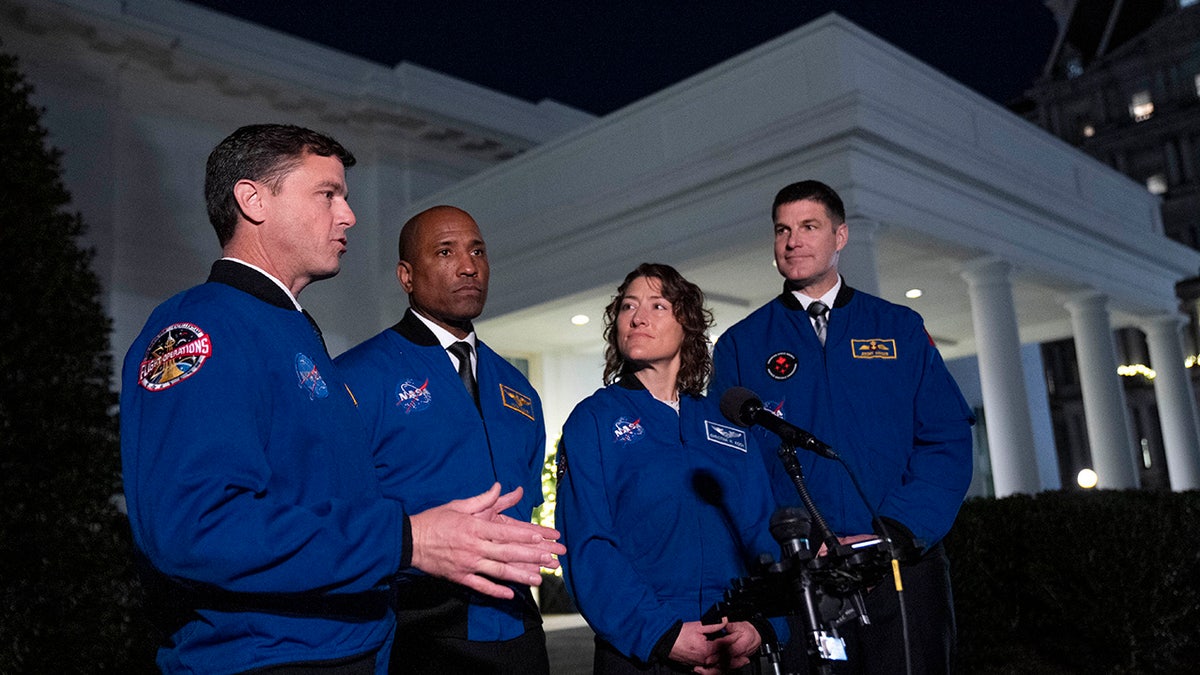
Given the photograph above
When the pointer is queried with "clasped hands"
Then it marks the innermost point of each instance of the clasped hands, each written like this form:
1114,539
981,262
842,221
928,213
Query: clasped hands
708,656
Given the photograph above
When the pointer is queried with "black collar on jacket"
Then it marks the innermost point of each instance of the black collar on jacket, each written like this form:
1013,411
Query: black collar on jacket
631,382
413,329
249,280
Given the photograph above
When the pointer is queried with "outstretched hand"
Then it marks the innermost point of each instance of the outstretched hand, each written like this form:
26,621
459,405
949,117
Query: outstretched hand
471,542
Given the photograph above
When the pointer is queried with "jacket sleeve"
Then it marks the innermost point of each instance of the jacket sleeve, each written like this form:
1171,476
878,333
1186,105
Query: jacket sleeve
939,467
619,605
198,466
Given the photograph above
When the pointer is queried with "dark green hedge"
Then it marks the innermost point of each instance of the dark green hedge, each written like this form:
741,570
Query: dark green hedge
1096,582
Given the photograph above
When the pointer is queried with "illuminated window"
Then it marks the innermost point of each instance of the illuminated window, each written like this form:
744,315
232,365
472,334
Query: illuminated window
1140,106
1157,184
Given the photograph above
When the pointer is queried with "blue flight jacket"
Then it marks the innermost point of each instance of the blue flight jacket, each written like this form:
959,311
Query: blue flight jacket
431,446
249,484
877,392
659,513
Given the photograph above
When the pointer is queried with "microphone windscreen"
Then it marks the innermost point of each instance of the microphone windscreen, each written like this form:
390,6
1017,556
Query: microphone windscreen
790,523
734,405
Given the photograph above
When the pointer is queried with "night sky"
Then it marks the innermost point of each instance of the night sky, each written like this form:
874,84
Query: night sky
601,56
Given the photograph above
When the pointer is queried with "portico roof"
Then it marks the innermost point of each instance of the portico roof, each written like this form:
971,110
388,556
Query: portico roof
937,175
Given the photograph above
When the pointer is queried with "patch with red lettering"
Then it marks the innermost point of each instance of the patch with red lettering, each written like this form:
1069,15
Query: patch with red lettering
781,365
173,356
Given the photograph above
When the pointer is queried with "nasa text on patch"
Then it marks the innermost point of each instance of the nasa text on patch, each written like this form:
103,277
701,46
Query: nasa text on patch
515,400
874,348
725,435
412,397
627,430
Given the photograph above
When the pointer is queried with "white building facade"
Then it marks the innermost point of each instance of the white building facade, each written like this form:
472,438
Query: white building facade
1013,236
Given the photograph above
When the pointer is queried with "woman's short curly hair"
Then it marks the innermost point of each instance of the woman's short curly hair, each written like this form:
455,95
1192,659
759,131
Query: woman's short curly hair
687,303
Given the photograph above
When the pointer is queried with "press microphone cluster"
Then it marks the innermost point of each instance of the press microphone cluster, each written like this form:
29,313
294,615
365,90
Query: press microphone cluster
743,407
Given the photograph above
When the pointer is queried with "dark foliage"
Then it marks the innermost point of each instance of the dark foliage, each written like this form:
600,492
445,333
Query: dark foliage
67,589
1101,582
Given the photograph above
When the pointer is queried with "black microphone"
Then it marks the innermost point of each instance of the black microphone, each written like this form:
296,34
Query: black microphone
790,528
743,407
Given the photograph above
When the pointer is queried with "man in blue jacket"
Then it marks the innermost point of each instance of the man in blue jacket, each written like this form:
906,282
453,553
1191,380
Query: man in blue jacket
255,509
448,417
862,375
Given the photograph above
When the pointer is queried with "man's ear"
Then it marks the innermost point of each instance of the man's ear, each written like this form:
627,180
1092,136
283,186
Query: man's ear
249,198
404,276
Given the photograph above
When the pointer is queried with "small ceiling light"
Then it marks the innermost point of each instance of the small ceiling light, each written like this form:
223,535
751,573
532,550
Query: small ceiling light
1087,479
913,293
580,319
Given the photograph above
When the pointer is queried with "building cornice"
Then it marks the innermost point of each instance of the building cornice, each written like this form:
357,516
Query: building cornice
242,60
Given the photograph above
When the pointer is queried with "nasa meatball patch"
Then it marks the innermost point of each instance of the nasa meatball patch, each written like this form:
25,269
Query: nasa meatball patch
309,378
412,397
627,431
174,355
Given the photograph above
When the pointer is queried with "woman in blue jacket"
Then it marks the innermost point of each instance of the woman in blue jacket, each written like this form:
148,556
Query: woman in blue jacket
660,501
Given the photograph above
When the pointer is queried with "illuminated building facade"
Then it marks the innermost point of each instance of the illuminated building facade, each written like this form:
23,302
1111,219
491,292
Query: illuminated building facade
1123,85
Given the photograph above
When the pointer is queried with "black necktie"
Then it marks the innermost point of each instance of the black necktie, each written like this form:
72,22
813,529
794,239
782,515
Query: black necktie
462,352
819,312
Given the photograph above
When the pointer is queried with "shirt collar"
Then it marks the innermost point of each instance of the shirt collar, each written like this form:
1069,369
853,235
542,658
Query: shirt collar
828,298
444,337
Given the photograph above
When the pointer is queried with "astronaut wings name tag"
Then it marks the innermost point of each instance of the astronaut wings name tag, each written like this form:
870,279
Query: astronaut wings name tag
730,437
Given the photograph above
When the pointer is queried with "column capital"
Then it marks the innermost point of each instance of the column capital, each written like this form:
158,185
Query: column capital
1164,322
864,227
1083,301
984,270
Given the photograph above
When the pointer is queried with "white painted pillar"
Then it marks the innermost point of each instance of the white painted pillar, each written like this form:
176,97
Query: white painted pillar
858,261
1176,401
1005,400
1104,406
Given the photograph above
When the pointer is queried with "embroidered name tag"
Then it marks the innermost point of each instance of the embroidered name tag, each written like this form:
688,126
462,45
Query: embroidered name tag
515,400
731,437
874,348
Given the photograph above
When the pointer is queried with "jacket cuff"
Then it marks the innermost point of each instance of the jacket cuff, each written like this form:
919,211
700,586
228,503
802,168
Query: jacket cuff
662,649
907,546
406,544
766,632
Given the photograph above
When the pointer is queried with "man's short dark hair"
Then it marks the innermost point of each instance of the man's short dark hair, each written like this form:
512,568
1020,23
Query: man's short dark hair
817,192
259,152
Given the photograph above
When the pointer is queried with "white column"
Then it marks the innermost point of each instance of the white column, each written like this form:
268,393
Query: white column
1005,401
1103,396
858,261
1176,401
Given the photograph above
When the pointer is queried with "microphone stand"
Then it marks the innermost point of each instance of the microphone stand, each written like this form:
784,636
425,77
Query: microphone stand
791,464
822,645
